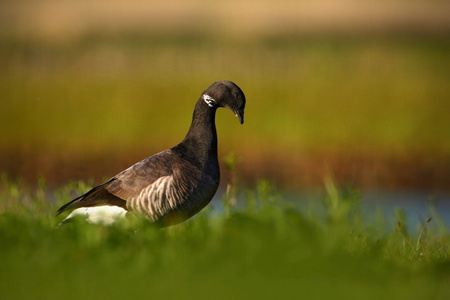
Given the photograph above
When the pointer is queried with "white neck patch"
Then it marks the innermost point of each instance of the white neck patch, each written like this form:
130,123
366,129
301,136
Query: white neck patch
209,100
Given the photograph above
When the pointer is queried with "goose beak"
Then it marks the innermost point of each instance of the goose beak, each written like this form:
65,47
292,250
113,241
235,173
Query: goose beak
240,115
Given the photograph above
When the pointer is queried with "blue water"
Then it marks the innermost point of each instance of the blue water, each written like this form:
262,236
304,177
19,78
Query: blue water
417,206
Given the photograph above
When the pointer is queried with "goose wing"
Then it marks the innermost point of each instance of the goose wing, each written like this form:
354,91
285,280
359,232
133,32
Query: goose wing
132,181
126,185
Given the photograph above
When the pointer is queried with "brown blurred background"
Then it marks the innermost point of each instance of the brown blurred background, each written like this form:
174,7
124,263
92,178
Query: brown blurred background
356,89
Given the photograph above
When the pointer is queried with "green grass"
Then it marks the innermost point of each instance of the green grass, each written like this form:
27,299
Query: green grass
263,248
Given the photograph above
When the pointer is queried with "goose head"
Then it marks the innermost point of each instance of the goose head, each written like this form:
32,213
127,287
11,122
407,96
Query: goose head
228,95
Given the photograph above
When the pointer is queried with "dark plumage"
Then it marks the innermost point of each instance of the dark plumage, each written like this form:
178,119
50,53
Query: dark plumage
175,184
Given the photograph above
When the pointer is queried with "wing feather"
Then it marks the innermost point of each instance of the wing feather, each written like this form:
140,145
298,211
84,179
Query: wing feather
154,187
97,196
132,181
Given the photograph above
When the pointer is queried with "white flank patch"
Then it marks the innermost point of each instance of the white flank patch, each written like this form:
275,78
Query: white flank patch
105,215
209,100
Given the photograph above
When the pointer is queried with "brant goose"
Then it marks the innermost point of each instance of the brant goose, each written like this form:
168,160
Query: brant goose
173,185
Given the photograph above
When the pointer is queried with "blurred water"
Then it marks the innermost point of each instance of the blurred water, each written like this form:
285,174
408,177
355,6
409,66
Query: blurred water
417,207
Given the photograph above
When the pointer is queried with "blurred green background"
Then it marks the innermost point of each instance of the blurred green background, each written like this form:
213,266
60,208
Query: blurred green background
358,89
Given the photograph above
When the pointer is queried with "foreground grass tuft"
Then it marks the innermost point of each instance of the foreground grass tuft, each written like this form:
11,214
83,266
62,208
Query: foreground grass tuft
266,248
